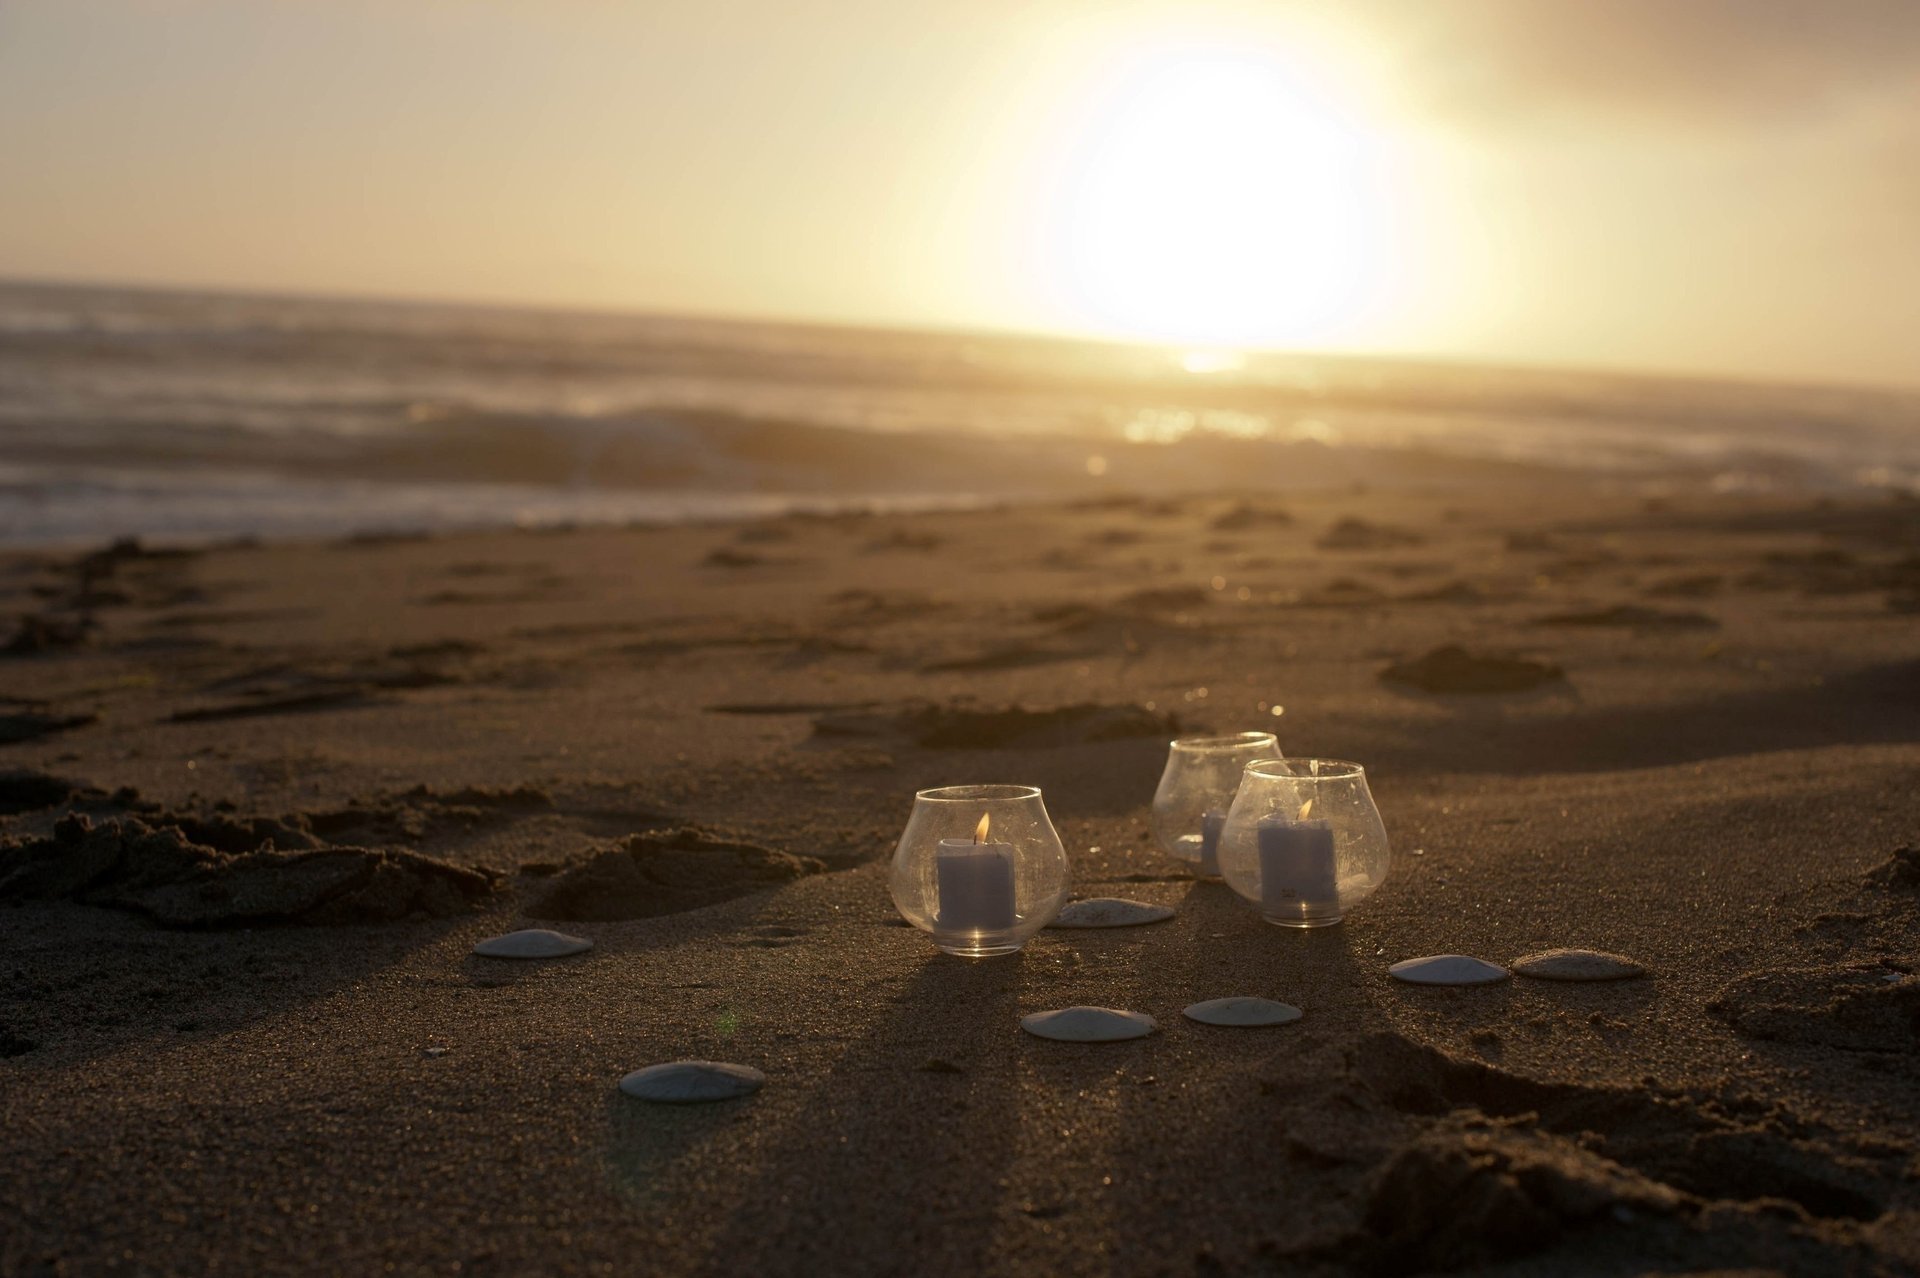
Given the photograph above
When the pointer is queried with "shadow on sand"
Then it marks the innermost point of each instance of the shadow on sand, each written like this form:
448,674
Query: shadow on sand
850,1186
1876,705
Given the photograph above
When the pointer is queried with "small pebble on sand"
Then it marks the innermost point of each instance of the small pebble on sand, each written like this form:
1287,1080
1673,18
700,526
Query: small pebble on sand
1110,911
1088,1025
692,1082
532,943
1243,1010
1447,969
1577,965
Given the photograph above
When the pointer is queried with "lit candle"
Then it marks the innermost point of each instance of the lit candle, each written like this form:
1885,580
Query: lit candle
1211,825
1296,862
975,880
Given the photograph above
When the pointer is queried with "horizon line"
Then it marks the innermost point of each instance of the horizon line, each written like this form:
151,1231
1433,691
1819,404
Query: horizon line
934,328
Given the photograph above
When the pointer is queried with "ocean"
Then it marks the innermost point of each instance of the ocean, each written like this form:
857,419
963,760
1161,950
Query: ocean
192,415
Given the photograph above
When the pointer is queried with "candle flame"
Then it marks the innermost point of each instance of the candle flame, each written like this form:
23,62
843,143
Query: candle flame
980,831
1306,808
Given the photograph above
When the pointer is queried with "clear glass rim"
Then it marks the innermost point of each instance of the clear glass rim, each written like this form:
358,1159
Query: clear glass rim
1309,769
977,793
1223,744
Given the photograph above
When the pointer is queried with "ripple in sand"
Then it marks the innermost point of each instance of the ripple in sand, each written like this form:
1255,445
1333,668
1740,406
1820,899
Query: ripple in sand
1447,969
1243,1010
532,943
1358,534
692,1082
957,726
1110,911
1577,965
1452,669
1633,617
1088,1025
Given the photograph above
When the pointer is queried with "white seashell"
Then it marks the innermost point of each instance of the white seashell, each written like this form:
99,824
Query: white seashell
1088,1025
532,943
1110,911
1242,1010
1577,965
1448,969
690,1082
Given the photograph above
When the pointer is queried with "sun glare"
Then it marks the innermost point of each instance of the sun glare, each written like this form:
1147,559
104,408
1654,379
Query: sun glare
1207,196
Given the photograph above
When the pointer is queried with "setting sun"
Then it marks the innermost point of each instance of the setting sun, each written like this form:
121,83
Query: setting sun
1207,195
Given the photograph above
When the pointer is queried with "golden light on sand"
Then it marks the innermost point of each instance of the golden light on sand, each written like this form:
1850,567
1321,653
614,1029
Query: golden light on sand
1211,192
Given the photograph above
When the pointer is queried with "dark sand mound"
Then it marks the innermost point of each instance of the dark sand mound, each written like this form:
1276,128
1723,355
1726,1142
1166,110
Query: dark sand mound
1452,592
24,790
1508,1166
1865,999
1342,592
420,813
795,648
1165,599
82,586
40,632
784,707
30,725
1246,516
1010,656
902,539
1701,585
1898,873
1477,1193
1453,669
1832,571
868,607
958,727
1863,1007
293,703
1632,617
1125,631
1359,534
665,872
294,688
1530,542
159,870
727,557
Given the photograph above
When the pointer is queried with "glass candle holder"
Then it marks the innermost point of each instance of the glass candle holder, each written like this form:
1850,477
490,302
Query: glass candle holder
1197,788
1303,840
980,867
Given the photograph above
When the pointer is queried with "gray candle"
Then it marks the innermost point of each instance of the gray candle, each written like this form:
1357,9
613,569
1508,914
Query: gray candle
1296,864
975,882
1210,826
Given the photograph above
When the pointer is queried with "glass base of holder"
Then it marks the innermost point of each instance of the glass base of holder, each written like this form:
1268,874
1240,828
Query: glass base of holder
969,947
1303,920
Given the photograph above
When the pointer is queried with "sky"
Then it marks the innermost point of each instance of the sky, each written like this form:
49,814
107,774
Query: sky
1716,186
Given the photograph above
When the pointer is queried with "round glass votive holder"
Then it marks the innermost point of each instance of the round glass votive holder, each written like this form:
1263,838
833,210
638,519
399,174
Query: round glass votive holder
980,867
1303,840
1196,789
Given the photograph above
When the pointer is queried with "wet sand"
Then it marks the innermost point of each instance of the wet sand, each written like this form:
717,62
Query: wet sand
262,801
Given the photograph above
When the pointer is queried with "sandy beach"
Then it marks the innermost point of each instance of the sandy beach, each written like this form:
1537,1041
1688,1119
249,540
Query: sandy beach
261,801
